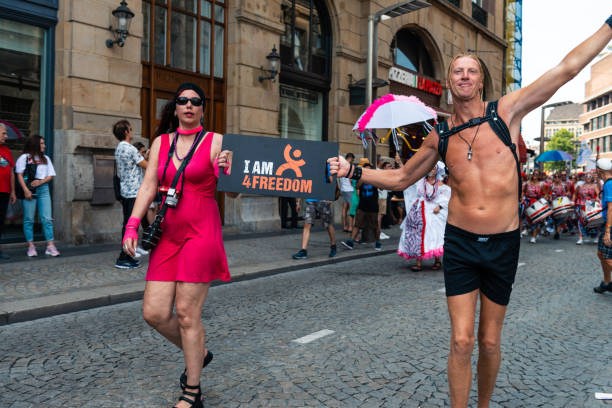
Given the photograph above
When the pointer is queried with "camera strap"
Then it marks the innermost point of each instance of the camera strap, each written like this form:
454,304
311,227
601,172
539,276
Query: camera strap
181,169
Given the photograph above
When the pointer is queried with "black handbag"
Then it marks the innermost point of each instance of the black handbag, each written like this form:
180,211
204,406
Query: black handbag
152,234
29,175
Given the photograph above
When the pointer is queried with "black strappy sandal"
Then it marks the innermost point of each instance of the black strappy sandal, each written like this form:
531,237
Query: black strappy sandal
207,359
196,402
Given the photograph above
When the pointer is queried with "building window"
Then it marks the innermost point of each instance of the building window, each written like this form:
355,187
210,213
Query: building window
605,120
184,33
478,13
305,77
305,45
604,147
599,122
301,113
606,99
409,52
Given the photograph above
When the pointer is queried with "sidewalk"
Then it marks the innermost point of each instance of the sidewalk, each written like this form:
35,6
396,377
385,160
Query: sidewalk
84,277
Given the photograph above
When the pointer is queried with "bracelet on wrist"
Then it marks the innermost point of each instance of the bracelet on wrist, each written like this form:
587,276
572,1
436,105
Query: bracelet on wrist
356,173
609,21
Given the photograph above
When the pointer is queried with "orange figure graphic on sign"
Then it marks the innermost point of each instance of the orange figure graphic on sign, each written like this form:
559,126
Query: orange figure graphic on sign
292,163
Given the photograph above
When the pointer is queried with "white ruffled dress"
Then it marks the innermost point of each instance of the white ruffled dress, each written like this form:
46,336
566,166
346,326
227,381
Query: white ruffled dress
422,230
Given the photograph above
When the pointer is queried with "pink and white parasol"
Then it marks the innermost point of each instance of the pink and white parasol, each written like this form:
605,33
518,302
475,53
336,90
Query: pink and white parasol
390,112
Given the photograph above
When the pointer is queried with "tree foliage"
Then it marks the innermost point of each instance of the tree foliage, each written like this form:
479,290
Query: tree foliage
561,140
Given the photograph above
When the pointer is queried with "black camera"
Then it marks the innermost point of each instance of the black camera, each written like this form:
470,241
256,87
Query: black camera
151,235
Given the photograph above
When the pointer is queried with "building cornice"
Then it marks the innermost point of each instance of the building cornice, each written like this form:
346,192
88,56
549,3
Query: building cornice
349,54
597,95
248,17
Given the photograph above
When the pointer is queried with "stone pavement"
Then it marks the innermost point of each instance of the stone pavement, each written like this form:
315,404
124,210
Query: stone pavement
388,347
84,277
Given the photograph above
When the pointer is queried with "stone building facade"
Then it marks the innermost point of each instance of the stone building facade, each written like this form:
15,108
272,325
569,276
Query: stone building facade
222,45
597,116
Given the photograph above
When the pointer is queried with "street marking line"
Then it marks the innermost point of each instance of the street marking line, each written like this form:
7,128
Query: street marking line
603,396
558,250
443,290
313,336
521,264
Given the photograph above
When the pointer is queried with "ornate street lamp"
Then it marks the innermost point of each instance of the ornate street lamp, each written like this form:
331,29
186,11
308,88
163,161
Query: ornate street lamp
273,65
122,17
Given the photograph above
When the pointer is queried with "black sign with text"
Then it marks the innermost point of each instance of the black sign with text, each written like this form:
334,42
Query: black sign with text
279,167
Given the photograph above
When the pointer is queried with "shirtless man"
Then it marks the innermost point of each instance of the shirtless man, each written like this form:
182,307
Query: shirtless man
482,238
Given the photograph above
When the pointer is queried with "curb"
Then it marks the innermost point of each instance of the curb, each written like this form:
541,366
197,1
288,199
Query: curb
53,305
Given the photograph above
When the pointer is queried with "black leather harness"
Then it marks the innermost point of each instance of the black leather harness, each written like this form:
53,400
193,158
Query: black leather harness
497,124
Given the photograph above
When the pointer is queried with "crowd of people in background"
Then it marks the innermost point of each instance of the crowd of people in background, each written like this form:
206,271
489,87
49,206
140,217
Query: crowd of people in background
580,189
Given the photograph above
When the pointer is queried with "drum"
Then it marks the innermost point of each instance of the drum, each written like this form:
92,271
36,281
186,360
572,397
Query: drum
562,208
538,211
591,214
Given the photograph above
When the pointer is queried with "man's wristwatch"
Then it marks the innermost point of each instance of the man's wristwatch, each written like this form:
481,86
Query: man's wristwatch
356,173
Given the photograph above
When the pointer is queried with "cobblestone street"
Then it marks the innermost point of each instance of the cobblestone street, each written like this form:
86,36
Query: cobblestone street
388,347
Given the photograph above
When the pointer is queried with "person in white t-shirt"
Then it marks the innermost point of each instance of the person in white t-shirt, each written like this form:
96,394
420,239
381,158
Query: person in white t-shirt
130,169
36,193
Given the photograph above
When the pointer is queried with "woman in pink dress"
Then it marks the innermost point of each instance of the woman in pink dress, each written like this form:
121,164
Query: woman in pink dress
190,253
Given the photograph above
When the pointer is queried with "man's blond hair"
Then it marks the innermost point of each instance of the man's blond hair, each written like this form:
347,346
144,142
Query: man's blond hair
466,55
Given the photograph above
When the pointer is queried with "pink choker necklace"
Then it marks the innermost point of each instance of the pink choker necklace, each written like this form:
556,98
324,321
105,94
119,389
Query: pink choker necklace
188,131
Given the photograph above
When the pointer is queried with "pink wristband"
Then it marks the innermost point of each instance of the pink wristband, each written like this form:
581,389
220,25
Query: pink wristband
131,229
216,168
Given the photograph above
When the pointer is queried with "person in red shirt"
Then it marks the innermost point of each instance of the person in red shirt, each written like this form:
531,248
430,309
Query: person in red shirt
7,180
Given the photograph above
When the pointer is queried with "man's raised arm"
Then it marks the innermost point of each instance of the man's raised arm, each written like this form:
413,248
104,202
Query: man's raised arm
398,179
522,101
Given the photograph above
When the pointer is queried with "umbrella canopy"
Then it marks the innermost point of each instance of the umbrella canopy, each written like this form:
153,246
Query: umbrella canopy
554,155
392,111
12,131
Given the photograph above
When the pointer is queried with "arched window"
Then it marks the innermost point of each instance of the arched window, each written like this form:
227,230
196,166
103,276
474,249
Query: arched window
409,52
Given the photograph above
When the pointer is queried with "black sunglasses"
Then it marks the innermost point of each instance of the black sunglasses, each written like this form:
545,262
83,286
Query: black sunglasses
182,100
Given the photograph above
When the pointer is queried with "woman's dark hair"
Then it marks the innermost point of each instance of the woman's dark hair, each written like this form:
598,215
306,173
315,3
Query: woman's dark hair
138,145
120,129
169,122
349,156
32,147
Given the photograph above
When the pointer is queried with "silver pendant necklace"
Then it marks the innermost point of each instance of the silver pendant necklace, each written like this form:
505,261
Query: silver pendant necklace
469,153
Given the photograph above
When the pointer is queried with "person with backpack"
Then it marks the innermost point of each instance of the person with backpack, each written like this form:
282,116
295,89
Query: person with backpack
482,238
36,192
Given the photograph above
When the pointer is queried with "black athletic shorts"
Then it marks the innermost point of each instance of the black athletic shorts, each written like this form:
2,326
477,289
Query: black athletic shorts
485,262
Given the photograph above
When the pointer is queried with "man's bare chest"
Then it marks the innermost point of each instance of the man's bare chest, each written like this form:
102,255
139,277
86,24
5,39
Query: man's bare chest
479,152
